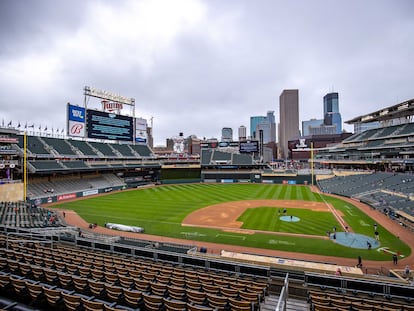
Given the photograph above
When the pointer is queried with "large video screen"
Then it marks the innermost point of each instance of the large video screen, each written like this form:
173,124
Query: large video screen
249,146
105,125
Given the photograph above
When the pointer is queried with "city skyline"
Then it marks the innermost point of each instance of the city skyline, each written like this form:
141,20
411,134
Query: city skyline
194,66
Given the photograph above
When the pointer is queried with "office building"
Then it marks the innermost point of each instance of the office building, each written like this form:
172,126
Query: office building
289,120
331,113
226,134
254,121
308,126
242,133
267,125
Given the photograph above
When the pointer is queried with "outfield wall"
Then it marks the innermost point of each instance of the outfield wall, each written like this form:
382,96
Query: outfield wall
11,192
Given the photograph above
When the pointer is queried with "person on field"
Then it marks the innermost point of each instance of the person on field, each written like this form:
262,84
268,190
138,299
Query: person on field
395,259
359,265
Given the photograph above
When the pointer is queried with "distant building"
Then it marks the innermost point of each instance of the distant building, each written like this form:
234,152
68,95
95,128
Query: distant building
331,113
307,126
226,134
265,125
254,122
242,133
289,120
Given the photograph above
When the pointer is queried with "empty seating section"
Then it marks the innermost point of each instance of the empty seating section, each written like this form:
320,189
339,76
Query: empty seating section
326,301
407,129
142,150
92,280
124,150
21,214
104,149
377,189
60,145
72,184
34,145
83,147
382,133
75,164
46,165
242,159
206,156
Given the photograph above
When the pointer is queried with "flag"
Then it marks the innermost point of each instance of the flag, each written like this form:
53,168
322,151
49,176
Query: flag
62,131
18,125
40,127
32,126
25,126
10,123
57,130
45,128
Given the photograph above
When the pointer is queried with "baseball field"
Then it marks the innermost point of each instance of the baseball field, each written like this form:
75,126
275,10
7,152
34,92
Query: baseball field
280,217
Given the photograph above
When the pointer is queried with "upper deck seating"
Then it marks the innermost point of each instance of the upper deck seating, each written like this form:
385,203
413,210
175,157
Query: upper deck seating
60,145
142,150
83,147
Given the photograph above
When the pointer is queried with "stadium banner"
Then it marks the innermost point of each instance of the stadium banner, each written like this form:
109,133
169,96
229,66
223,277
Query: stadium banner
90,192
67,196
76,117
109,126
140,130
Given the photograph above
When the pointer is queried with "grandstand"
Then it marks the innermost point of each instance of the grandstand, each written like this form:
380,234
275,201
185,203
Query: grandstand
388,148
48,265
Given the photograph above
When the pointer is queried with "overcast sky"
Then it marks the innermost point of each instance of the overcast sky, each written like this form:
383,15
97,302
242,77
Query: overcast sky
197,66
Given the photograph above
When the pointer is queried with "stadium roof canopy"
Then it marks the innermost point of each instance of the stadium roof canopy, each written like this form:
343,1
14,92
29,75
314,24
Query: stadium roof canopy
401,110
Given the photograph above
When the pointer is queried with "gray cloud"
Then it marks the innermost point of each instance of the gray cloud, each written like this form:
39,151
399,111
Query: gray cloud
197,66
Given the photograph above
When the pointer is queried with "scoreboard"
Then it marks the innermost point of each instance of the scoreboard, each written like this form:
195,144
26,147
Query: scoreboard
249,146
106,125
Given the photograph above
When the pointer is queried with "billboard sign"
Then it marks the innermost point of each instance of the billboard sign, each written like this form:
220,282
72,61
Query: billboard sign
140,130
110,126
249,146
76,121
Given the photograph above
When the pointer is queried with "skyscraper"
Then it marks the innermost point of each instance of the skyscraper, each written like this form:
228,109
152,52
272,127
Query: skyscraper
331,113
254,121
242,133
289,119
266,124
226,134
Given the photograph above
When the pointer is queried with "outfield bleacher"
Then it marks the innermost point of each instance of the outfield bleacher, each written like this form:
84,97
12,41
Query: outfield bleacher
61,146
104,149
142,150
72,184
83,147
46,165
34,145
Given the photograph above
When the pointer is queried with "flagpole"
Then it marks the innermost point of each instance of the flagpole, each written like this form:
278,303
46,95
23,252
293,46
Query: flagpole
24,166
312,161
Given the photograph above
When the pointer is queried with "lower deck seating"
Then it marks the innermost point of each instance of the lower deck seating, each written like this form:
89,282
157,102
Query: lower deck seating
98,281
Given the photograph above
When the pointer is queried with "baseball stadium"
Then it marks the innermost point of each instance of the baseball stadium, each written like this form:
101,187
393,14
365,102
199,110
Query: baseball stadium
96,220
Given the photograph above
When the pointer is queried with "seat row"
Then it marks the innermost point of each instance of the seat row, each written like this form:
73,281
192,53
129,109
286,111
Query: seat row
329,302
132,293
102,269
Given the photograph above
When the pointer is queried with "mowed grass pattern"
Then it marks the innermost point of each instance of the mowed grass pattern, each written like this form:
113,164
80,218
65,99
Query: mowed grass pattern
269,219
161,209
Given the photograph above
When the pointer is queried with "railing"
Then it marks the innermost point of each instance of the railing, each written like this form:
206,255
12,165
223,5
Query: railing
284,295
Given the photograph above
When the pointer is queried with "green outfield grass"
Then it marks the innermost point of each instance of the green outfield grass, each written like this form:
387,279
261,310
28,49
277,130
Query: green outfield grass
160,210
